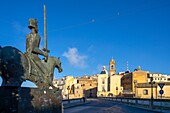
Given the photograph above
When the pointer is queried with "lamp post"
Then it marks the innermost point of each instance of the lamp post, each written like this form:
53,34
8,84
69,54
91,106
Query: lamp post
151,100
135,83
68,88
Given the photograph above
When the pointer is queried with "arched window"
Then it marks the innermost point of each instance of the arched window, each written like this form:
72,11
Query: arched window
103,81
112,67
145,92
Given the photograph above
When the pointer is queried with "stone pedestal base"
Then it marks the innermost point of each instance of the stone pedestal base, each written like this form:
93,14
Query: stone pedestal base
30,100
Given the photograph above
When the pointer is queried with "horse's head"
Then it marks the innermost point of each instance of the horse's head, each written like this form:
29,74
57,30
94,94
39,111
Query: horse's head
58,65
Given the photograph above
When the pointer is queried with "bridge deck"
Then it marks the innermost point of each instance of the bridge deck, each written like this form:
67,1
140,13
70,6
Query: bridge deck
104,106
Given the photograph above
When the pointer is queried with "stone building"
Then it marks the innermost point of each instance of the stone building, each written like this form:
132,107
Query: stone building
158,77
134,84
102,80
144,90
109,84
138,84
70,88
78,91
59,83
115,85
89,85
77,87
130,80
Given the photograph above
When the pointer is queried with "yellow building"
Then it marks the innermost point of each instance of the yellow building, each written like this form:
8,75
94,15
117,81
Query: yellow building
144,90
135,84
158,77
130,80
69,87
102,80
78,87
115,85
109,84
59,83
138,84
89,85
78,91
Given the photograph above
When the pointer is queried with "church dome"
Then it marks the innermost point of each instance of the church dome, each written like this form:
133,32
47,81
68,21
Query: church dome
104,71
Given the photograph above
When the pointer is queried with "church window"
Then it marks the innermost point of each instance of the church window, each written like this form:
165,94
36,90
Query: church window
103,81
145,92
112,67
103,89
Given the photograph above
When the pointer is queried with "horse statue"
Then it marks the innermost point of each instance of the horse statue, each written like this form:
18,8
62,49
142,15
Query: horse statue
15,68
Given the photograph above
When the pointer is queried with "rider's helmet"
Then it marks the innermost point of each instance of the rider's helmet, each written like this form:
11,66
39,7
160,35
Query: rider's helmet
32,23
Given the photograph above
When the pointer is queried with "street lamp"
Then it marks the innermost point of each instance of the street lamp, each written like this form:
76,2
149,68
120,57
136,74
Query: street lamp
68,88
135,83
151,101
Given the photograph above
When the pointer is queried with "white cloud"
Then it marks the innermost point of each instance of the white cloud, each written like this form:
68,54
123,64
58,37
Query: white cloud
75,58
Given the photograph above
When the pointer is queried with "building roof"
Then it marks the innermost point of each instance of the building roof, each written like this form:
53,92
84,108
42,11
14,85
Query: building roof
104,72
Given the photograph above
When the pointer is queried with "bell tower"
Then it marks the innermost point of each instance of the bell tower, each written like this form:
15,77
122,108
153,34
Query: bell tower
112,67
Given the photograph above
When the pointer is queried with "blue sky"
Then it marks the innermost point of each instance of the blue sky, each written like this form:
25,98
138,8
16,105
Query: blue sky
86,34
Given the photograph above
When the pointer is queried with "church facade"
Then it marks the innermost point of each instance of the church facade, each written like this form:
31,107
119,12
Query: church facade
109,83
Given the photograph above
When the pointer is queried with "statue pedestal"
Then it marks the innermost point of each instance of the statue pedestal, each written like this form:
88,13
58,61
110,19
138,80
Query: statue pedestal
30,100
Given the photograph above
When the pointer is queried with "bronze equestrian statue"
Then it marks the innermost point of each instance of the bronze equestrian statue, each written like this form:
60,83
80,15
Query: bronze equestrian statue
16,67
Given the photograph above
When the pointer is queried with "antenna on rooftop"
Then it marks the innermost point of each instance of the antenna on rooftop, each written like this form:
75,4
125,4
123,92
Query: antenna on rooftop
127,66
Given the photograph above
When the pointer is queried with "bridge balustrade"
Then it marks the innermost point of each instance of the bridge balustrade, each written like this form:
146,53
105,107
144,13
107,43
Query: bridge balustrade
157,103
75,100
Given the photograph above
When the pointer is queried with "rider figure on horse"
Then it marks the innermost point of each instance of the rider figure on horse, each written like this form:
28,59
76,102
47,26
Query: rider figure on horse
32,47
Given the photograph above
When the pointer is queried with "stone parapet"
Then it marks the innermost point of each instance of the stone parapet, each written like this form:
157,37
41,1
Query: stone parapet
30,100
